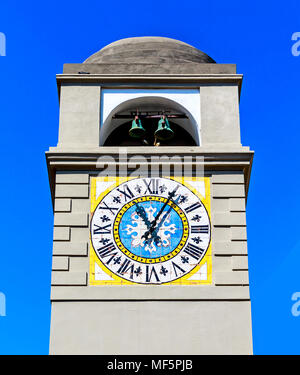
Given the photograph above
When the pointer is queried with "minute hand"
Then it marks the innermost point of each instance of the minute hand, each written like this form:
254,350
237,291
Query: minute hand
165,215
153,223
154,235
171,195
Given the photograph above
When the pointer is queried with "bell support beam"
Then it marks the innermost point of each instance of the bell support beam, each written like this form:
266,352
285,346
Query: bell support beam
149,116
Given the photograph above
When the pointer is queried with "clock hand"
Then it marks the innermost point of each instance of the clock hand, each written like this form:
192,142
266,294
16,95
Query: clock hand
166,214
155,237
171,195
155,230
153,223
142,213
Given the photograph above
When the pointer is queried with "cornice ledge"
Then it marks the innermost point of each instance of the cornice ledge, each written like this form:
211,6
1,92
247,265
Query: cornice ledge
89,161
61,78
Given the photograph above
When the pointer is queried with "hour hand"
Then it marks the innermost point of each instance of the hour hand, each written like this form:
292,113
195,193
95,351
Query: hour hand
142,214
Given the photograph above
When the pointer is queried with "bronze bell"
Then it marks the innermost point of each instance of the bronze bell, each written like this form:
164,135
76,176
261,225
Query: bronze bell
137,130
163,131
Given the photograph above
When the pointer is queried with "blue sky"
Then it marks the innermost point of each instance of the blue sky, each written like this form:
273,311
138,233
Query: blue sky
41,37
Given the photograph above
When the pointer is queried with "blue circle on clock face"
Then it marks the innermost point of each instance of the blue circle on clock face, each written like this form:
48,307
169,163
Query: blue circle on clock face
132,227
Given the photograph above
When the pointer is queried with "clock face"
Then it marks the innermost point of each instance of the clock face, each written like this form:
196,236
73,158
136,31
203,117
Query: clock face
150,230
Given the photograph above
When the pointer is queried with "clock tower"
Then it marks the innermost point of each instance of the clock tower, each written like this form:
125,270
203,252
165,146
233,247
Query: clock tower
149,184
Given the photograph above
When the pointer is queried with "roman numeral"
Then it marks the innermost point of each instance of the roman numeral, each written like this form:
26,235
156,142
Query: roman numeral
126,192
102,230
193,251
152,186
193,207
200,229
175,267
125,266
152,272
106,207
106,250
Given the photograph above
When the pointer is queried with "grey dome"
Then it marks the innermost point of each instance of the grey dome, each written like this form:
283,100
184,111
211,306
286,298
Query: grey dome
149,50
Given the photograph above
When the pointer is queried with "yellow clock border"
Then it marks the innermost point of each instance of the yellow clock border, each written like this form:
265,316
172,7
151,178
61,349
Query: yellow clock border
116,280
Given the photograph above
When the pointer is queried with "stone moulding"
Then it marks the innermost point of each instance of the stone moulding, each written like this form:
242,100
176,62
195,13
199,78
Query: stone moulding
87,161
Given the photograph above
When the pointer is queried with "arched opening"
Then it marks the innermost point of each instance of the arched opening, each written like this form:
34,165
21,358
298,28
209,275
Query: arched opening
115,130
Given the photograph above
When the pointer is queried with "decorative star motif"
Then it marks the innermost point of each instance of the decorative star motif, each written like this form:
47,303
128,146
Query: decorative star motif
183,199
163,271
138,188
196,218
117,260
197,239
116,199
184,259
162,188
138,271
104,218
104,240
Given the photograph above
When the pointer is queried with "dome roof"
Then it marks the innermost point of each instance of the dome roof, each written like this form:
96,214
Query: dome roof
149,50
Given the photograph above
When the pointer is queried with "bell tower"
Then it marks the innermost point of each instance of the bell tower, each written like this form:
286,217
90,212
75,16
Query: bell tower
149,184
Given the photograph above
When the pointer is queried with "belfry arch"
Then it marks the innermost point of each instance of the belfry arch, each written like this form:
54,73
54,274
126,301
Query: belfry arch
118,121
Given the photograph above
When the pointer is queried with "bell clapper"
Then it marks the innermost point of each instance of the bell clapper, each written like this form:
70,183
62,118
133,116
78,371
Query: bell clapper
156,143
